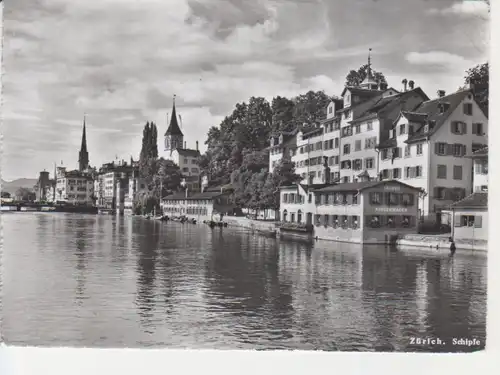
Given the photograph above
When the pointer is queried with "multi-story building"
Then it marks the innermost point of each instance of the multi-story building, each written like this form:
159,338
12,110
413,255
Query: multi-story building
45,188
74,187
480,176
186,159
283,144
470,215
360,212
112,185
429,147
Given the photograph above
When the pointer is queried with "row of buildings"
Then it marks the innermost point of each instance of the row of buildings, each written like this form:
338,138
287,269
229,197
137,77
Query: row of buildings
115,185
377,133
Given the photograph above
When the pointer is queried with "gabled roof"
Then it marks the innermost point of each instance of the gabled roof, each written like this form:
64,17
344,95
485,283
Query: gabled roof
475,200
358,186
388,143
173,128
359,91
431,108
414,116
371,108
188,152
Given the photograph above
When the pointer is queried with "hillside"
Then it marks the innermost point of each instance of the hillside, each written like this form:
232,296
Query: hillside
12,186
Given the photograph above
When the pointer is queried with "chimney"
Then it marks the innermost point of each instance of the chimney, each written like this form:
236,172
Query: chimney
196,145
185,144
404,82
441,93
411,84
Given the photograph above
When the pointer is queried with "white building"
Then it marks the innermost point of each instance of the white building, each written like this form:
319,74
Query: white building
480,177
428,148
74,187
186,159
112,185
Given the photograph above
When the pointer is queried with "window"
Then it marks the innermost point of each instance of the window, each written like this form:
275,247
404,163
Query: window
357,145
358,128
391,221
345,180
346,113
441,148
347,149
384,154
369,126
407,151
458,150
407,199
369,163
402,129
194,170
336,143
185,169
441,171
330,109
457,172
355,222
374,221
185,160
396,173
481,167
420,148
458,127
477,129
467,220
406,221
375,198
355,199
468,109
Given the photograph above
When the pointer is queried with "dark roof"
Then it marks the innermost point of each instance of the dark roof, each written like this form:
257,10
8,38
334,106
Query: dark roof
188,152
372,107
360,91
472,201
414,116
173,128
481,152
388,143
205,195
358,186
431,108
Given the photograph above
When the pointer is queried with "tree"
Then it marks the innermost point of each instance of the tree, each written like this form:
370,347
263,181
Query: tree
355,77
283,175
478,77
5,194
149,150
25,194
282,114
310,108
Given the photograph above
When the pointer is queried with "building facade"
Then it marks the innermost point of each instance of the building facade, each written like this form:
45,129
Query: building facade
45,188
470,219
112,185
74,187
360,212
430,148
480,176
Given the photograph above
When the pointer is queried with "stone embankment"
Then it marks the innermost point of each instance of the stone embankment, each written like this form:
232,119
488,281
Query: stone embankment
440,241
261,226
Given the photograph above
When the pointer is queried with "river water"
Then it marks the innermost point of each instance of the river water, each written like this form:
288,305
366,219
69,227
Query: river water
103,281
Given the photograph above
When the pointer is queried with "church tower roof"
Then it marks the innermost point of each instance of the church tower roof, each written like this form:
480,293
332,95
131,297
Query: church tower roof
369,81
83,156
173,127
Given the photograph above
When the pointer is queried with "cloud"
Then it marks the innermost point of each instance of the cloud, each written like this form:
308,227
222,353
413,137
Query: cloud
121,62
440,58
464,8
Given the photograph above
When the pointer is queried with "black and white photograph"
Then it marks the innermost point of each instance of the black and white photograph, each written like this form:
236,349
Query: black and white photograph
245,174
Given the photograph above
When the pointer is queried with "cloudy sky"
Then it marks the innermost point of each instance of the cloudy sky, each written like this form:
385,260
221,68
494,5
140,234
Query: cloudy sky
121,61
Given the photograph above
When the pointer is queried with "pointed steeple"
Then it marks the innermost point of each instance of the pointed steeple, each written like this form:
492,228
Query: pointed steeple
173,127
369,81
83,156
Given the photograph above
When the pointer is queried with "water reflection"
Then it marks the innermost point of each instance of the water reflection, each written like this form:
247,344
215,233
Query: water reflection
118,281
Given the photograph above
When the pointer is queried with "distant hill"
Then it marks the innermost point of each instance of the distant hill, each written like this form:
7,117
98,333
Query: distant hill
12,186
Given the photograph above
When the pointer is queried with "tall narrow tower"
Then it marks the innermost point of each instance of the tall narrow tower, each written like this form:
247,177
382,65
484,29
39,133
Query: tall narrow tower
173,136
83,156
369,82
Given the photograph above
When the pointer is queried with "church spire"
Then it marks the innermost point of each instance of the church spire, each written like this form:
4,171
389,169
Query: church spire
173,127
369,82
83,156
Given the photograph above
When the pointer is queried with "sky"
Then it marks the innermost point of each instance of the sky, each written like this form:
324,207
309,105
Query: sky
121,61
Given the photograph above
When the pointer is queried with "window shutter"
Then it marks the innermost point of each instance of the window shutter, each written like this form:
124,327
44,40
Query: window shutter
436,148
474,128
464,128
412,172
436,192
478,221
412,199
457,221
449,149
464,150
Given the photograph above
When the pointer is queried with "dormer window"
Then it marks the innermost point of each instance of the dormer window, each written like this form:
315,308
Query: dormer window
330,109
426,128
